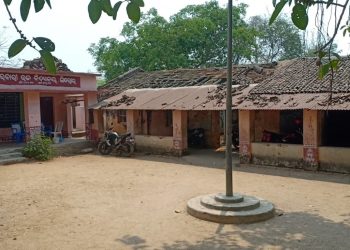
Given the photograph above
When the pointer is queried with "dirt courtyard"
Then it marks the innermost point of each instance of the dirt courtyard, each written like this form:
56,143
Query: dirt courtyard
96,202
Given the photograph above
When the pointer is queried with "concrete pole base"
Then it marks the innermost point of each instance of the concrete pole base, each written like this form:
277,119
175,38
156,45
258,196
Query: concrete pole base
238,209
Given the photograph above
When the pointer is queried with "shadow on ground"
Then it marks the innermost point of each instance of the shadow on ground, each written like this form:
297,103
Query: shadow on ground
211,159
290,231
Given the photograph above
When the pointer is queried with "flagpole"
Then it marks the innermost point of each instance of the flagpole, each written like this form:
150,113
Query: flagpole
229,184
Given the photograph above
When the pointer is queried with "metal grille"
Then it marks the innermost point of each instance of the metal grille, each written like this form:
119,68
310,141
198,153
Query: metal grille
9,109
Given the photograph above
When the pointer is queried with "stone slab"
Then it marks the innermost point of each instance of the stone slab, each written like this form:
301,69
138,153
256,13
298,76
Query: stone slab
235,198
13,160
264,212
247,203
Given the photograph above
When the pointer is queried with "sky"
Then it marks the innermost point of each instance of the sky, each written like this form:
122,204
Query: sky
68,25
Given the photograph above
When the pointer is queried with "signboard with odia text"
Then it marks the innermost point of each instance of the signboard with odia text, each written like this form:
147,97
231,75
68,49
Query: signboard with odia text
39,80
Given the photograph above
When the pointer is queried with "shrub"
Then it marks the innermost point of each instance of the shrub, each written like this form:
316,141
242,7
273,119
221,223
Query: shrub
39,148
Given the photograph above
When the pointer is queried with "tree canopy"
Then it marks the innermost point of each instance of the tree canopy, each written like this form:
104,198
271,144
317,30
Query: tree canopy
195,37
299,15
278,41
330,16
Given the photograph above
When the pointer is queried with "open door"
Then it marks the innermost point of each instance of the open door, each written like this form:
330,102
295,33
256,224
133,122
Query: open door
46,112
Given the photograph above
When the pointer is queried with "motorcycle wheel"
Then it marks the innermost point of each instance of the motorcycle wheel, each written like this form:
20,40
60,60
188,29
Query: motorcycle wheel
104,149
129,150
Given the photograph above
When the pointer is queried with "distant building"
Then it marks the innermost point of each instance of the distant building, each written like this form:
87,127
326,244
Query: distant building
35,100
287,116
293,102
163,108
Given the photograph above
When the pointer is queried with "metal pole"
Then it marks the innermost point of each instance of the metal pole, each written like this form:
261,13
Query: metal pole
229,191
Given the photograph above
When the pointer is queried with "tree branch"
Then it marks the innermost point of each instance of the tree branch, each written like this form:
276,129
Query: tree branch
336,4
336,28
13,20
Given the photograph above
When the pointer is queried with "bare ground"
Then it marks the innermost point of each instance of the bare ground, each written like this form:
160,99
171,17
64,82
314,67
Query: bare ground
95,202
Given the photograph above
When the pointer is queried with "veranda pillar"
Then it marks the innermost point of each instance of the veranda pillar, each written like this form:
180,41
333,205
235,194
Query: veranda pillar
133,121
91,117
69,120
32,112
311,137
246,134
215,129
180,131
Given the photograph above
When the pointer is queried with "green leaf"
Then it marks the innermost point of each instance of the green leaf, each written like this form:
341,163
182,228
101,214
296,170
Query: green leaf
140,3
45,43
322,54
134,12
344,32
95,11
116,9
299,16
334,64
49,3
274,3
277,11
25,8
39,5
107,7
48,61
7,2
324,69
16,47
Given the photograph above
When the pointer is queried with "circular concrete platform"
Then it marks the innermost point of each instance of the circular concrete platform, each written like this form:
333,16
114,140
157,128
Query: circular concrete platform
238,209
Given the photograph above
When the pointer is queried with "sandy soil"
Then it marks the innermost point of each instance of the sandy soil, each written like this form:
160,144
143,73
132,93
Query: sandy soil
95,202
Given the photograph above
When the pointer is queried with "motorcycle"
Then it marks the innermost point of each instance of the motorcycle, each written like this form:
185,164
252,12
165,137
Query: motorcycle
235,139
196,137
291,138
122,144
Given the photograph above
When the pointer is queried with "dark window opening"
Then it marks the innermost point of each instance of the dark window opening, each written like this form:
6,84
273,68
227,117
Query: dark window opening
46,112
121,116
91,116
149,121
10,109
291,126
286,126
169,118
74,114
336,129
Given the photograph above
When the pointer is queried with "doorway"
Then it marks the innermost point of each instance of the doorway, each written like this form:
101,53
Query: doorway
46,112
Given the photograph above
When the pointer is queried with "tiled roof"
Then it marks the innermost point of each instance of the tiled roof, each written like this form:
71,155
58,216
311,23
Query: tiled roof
301,76
319,101
137,78
207,97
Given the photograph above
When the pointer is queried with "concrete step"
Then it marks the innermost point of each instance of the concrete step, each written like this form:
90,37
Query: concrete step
10,155
78,133
207,208
13,160
248,203
9,150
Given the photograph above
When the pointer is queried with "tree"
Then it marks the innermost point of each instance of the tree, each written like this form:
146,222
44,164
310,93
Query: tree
202,32
44,45
194,37
311,48
278,41
334,21
146,45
